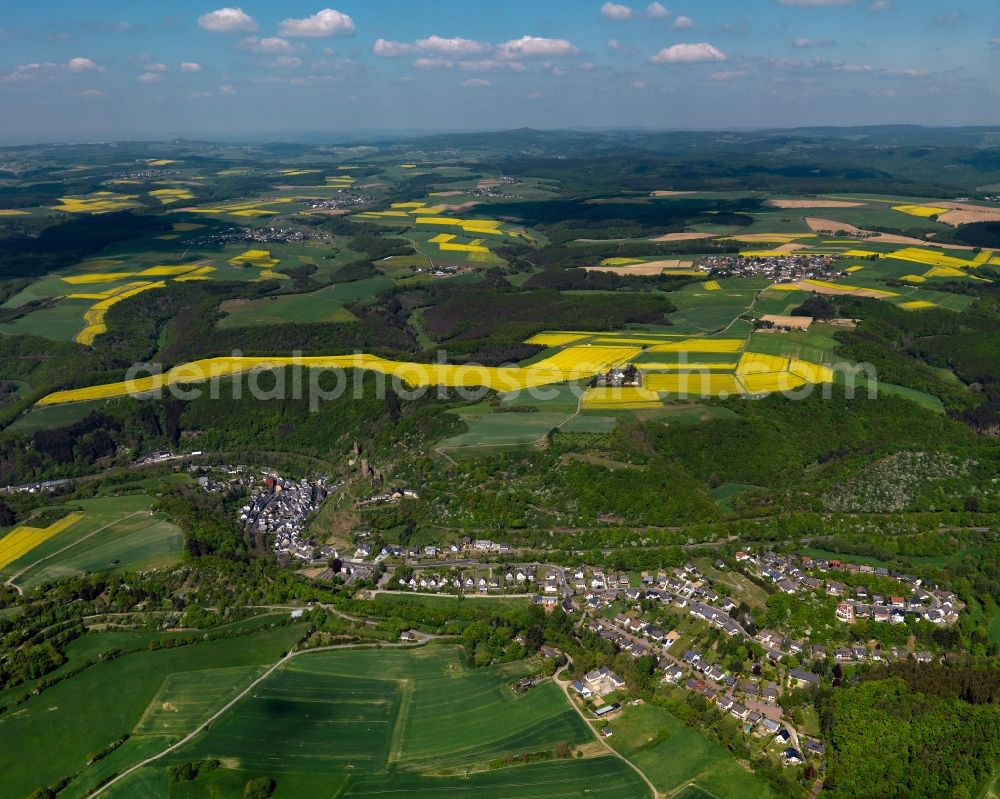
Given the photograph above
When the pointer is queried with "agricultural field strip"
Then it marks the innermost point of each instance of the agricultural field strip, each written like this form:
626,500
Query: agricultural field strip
571,363
229,705
11,580
24,538
402,719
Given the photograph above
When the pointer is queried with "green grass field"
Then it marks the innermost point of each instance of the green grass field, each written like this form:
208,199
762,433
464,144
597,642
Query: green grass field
187,698
85,713
114,533
53,416
59,323
413,723
495,429
673,755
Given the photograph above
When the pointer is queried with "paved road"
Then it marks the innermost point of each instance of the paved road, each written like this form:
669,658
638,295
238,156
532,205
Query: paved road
565,689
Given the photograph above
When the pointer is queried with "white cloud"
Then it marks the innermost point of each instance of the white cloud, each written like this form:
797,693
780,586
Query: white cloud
638,85
910,73
154,67
227,20
190,66
725,75
93,93
150,77
80,64
688,54
818,3
616,12
327,22
853,68
536,46
454,46
682,23
270,45
881,6
995,41
225,88
390,49
474,83
48,69
432,45
657,11
804,43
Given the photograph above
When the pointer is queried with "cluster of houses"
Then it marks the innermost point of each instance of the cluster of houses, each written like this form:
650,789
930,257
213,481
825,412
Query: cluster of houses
514,578
237,234
781,267
389,495
791,574
277,510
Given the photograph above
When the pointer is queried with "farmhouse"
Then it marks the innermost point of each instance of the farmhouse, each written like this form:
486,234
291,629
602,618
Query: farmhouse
603,681
780,322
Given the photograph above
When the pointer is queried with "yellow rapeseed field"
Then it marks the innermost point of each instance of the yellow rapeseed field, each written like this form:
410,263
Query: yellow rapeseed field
168,196
571,363
810,372
261,258
758,363
95,277
619,398
692,383
101,202
861,253
22,539
94,318
917,305
929,257
769,382
621,261
944,271
920,210
13,212
914,278
711,285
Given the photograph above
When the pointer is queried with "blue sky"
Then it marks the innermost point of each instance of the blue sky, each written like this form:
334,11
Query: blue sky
112,69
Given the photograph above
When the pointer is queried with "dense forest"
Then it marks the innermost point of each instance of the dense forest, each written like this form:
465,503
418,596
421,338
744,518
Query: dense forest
889,742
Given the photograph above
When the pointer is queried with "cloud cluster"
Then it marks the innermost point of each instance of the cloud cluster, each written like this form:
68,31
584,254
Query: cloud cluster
442,52
688,54
322,24
227,20
616,12
271,45
49,69
80,64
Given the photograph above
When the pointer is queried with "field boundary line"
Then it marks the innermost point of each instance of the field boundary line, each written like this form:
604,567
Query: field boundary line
30,566
402,715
